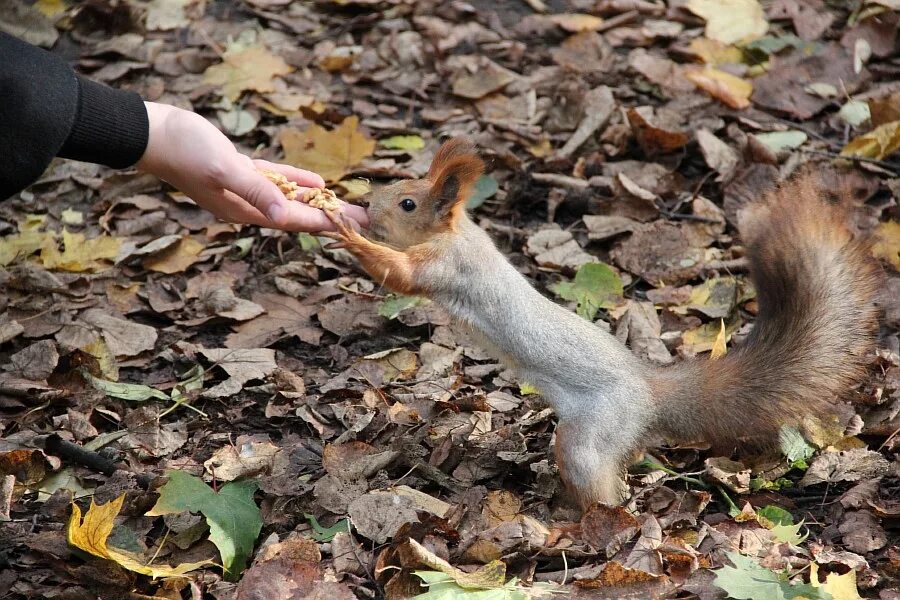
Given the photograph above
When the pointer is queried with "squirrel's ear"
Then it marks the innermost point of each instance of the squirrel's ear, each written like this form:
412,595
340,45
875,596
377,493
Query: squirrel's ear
453,173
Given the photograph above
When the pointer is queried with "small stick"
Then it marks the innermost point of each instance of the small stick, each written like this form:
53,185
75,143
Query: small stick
6,490
561,180
77,454
735,265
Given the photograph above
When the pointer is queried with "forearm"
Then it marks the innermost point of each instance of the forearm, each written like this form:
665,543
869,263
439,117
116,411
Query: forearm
46,111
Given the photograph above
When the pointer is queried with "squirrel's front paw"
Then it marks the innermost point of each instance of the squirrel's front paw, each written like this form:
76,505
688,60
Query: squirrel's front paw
346,235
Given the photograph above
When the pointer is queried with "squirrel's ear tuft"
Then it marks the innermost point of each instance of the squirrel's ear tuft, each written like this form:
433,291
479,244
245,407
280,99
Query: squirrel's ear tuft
453,173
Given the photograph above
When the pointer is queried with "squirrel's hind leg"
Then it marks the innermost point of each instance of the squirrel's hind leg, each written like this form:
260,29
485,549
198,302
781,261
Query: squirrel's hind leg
593,469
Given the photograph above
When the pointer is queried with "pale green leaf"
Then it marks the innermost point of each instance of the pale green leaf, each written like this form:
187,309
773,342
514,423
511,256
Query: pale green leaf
747,580
308,241
393,305
595,286
770,44
403,142
485,187
776,141
793,445
776,515
442,587
855,113
244,244
326,534
789,533
526,389
126,391
821,89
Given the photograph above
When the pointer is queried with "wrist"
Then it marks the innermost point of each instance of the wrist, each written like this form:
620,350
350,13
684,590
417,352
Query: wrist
154,155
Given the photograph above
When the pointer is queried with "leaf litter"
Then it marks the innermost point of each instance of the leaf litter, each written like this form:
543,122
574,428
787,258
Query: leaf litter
272,407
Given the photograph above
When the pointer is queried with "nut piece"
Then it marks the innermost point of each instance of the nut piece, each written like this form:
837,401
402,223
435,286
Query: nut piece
323,199
287,187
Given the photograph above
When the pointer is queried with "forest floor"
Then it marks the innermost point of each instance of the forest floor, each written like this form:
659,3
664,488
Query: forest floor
289,419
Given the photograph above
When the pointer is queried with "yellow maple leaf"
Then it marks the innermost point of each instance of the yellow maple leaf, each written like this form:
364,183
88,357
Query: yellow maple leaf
80,254
887,242
877,144
331,154
91,534
22,244
176,258
731,21
252,68
841,587
719,348
725,87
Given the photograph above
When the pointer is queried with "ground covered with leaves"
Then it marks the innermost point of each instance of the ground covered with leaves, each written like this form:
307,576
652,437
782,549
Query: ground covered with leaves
212,395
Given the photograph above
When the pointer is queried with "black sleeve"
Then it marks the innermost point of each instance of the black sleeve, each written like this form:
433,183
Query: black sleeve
47,110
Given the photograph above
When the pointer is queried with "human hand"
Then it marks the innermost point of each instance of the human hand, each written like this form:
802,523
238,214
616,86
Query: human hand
188,151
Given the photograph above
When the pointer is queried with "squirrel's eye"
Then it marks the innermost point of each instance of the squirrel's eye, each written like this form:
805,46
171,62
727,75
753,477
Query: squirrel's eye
408,204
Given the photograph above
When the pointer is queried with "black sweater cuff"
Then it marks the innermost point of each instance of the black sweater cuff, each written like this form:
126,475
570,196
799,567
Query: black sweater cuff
110,128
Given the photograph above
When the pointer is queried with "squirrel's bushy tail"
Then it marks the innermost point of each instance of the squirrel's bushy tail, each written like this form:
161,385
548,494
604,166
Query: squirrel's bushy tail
815,286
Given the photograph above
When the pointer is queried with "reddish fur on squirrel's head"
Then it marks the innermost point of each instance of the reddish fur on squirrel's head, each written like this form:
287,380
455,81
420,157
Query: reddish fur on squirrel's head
410,212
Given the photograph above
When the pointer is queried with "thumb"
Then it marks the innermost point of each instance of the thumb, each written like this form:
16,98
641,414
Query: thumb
257,190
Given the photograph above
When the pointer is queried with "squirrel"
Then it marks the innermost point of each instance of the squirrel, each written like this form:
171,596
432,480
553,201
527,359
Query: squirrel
815,283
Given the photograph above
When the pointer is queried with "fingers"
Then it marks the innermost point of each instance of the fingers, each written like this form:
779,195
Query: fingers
229,207
301,177
263,195
358,214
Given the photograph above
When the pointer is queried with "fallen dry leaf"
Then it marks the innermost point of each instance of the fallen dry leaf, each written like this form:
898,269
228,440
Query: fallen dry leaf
242,365
653,138
731,21
284,317
576,22
608,528
887,243
92,533
290,570
331,154
847,465
81,254
490,77
163,15
243,69
124,338
176,257
730,90
879,143
246,458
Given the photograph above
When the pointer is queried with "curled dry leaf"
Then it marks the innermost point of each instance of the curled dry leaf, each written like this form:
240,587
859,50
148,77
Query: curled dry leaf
846,465
608,528
246,458
652,138
725,87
